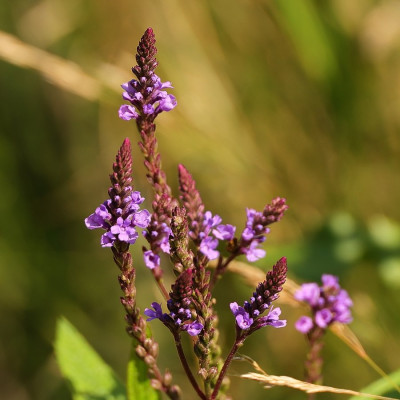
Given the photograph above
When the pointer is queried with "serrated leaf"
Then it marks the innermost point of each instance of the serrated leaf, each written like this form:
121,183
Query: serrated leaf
90,377
138,383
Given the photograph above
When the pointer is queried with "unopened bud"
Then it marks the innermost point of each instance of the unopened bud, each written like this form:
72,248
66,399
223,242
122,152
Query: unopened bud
167,378
203,373
149,360
156,384
141,352
213,372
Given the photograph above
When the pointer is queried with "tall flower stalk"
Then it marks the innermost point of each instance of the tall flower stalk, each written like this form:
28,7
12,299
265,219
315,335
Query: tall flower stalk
329,304
120,217
191,236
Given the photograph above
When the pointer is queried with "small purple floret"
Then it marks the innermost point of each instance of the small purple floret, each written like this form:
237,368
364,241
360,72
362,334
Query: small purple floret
243,319
208,246
194,328
253,253
127,113
272,319
154,314
151,260
304,324
224,232
309,292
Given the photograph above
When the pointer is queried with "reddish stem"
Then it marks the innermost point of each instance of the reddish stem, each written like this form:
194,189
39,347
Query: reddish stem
186,367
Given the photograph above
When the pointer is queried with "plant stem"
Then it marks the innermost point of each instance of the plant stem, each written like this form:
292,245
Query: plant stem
186,367
162,288
220,269
238,343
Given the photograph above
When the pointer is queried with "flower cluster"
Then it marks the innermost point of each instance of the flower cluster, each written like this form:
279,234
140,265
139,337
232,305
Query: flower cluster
120,215
159,237
179,304
248,318
146,93
257,227
329,303
212,225
153,101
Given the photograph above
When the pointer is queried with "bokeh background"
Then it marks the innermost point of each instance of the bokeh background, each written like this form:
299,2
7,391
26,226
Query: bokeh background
299,99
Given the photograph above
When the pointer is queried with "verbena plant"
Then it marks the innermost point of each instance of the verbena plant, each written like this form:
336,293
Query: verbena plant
180,227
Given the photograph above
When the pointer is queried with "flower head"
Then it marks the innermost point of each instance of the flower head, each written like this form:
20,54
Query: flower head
248,318
329,303
120,215
257,228
179,306
146,93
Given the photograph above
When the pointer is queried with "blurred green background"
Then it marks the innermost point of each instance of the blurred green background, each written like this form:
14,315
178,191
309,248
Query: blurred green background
299,99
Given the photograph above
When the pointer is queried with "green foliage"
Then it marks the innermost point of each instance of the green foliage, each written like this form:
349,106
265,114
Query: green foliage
90,377
138,384
383,386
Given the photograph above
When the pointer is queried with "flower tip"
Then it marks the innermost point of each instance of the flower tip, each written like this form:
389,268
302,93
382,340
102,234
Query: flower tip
126,143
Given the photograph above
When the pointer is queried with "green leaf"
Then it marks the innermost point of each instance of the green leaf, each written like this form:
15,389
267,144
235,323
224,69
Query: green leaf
382,386
91,378
138,383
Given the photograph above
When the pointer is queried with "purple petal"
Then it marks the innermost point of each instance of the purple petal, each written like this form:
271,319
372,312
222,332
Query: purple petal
330,282
142,219
107,240
309,292
151,260
154,314
148,109
127,112
168,103
194,328
207,247
224,232
304,324
323,318
253,253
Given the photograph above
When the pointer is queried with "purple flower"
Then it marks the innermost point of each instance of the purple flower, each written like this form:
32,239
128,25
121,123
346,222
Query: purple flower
323,317
127,113
224,232
272,319
253,253
194,328
243,320
124,230
107,239
179,306
304,324
120,215
209,222
146,98
151,260
329,303
309,292
100,218
141,218
154,314
257,228
253,227
158,235
208,246
330,282
248,317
